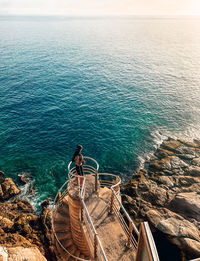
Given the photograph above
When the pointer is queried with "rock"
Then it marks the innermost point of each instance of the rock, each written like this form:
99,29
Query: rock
188,144
130,205
192,246
130,189
24,178
197,141
24,205
45,203
154,217
23,253
196,162
169,165
193,171
168,181
162,153
5,223
159,165
168,194
9,239
2,176
173,225
187,204
177,163
1,192
9,189
171,145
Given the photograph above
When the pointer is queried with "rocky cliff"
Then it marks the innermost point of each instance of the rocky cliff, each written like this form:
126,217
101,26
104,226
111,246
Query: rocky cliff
24,235
166,193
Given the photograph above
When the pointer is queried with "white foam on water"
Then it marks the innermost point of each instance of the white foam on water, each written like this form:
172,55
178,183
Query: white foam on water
192,132
157,139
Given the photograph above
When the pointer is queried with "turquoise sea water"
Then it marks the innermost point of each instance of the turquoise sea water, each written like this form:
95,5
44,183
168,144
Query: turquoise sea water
117,86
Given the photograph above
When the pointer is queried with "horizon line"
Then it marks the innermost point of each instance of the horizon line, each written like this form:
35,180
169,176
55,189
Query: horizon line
103,15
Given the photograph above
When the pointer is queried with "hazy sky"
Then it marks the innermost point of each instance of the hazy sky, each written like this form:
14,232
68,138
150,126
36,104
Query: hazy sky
101,7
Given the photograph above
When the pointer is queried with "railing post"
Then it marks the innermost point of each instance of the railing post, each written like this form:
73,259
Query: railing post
79,184
60,197
95,246
82,214
111,202
96,179
117,187
130,234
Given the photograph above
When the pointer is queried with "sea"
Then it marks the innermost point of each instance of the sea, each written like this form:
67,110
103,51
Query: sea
117,85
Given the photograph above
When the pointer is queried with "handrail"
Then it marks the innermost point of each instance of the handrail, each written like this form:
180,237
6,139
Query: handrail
53,227
92,171
151,242
125,212
115,193
94,230
112,182
85,157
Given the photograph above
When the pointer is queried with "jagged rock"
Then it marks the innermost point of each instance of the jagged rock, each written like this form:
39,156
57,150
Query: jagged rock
168,181
196,162
130,189
24,205
168,194
9,189
19,225
188,143
171,145
24,178
5,223
130,205
193,171
9,239
162,153
174,226
2,176
23,253
169,165
191,245
187,204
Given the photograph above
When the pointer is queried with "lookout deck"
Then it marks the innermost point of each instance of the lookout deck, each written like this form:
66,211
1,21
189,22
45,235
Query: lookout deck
89,221
110,232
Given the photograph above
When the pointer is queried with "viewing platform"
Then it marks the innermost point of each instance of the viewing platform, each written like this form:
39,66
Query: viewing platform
89,221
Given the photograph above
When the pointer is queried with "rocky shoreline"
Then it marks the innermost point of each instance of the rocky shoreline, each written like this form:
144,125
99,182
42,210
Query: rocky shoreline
24,235
166,193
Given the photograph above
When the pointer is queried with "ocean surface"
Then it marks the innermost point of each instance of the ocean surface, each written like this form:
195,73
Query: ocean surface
118,86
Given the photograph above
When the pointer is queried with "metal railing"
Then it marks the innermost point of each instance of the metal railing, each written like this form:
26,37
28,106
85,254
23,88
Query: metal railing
108,180
62,192
85,216
112,182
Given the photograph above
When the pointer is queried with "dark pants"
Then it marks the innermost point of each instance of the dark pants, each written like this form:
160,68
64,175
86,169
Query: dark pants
79,170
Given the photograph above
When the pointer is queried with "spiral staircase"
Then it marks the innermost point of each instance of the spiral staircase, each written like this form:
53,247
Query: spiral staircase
89,221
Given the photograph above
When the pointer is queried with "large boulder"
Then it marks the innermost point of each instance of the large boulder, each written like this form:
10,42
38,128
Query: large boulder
6,224
21,253
187,204
193,171
167,194
8,189
175,227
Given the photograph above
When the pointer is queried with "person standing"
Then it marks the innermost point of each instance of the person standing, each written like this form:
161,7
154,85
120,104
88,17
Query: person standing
79,160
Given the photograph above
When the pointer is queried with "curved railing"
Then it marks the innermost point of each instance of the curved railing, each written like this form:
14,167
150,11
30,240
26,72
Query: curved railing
62,192
108,180
88,169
